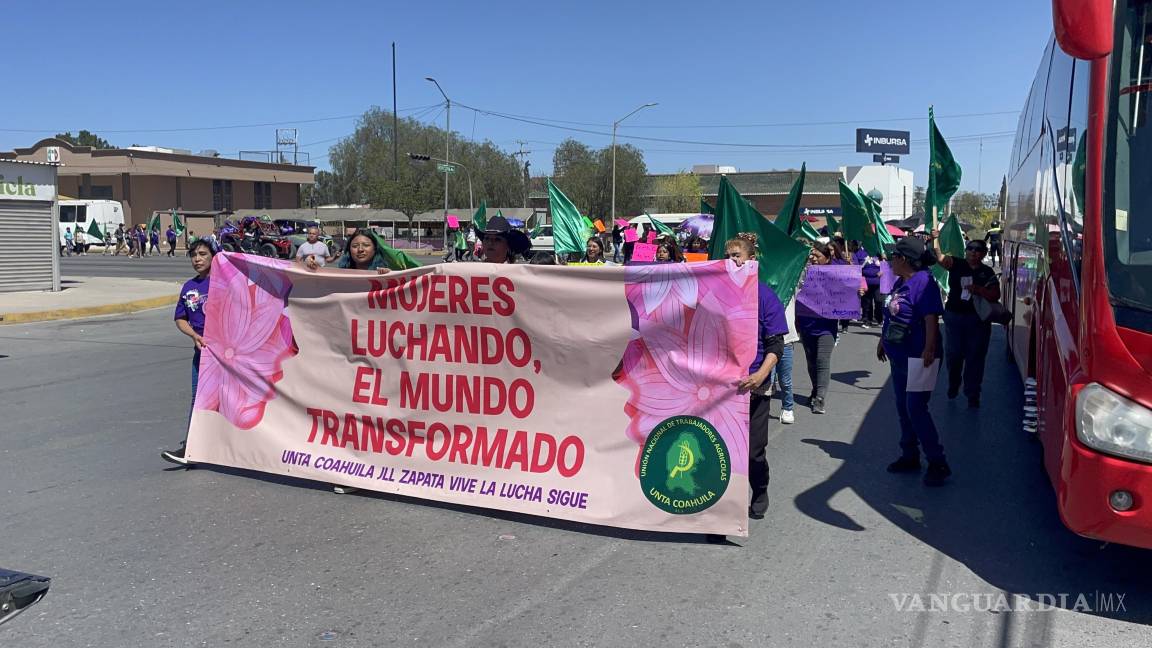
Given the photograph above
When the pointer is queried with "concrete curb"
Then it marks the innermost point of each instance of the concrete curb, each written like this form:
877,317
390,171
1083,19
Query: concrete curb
87,311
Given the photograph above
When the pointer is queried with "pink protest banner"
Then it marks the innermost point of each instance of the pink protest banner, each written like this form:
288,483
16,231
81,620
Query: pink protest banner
644,252
830,291
631,236
453,222
471,383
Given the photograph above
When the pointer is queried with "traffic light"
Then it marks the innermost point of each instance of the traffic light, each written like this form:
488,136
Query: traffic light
417,156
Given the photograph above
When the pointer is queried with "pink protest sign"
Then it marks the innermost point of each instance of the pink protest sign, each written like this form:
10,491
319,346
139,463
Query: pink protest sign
651,236
621,222
453,222
630,235
453,383
644,252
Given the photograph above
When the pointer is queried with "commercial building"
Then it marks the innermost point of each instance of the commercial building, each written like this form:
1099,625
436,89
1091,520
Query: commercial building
28,230
150,179
890,185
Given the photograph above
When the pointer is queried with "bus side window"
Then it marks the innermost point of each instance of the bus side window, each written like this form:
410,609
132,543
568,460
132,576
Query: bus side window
81,213
67,213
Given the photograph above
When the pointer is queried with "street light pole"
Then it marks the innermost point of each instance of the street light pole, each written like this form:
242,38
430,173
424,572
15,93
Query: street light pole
616,124
447,139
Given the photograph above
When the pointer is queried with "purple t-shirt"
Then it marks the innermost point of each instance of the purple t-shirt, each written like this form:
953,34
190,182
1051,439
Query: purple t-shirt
771,322
190,303
911,301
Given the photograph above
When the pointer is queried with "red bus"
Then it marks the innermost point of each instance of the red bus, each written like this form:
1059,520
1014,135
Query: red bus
1077,273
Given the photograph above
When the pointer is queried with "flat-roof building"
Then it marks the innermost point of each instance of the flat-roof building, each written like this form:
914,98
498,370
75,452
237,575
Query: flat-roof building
149,179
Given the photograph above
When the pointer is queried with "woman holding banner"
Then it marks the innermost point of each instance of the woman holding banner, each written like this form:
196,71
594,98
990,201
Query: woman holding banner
818,335
910,340
362,251
668,252
502,242
594,251
770,331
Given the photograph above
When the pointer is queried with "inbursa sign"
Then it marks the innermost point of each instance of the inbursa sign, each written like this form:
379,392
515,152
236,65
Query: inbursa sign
870,140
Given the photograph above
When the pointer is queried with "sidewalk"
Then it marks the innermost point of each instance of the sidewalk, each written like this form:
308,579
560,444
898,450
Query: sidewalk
86,297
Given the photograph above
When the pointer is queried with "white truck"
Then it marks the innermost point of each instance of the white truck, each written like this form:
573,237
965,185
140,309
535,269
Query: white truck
80,214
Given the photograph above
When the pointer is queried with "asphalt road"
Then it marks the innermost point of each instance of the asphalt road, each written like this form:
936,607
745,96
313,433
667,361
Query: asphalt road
146,554
154,267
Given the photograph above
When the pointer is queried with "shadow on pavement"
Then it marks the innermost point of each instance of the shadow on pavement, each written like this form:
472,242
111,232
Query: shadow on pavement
997,515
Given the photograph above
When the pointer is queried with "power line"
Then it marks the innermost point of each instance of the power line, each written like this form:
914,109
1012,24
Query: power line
198,128
674,141
753,125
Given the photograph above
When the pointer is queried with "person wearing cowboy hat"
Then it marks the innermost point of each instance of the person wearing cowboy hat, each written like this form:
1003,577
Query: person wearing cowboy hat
502,242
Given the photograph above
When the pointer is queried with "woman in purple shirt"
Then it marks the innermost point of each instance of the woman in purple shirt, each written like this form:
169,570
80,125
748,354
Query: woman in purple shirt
818,336
910,339
189,318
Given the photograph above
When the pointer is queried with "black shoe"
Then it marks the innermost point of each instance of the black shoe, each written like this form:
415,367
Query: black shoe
175,456
817,405
755,515
973,402
937,473
905,465
953,392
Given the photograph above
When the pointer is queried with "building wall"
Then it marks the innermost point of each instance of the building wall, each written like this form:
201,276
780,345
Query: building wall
894,182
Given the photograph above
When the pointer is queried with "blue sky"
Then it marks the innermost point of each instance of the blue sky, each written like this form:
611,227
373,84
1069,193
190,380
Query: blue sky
721,72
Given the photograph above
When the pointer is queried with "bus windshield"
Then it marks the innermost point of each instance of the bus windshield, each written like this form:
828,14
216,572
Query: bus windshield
1128,192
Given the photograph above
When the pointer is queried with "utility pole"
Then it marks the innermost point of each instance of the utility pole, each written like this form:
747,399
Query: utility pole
447,157
523,154
395,122
980,168
615,125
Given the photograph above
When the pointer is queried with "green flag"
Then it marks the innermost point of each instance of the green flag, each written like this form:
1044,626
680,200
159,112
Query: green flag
871,241
883,236
480,218
952,238
705,208
833,225
660,227
789,217
943,176
177,224
808,232
568,227
94,230
854,212
782,259
393,258
154,223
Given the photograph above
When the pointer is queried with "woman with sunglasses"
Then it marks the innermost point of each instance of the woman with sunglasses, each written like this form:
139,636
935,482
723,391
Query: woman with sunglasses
966,336
910,340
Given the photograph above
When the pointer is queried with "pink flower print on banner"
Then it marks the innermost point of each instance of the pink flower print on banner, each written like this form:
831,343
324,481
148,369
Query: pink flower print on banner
687,360
247,336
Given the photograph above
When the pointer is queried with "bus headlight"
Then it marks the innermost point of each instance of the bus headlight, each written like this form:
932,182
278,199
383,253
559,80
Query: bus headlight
1108,422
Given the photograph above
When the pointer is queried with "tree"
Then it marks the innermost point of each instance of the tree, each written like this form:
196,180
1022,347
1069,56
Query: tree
918,202
968,205
85,138
363,168
585,176
678,194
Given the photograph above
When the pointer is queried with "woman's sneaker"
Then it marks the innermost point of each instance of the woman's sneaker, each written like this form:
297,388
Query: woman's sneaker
817,405
938,472
787,417
344,490
905,465
175,456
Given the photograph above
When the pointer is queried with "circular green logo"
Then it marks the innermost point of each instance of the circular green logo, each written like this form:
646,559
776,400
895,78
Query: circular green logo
684,468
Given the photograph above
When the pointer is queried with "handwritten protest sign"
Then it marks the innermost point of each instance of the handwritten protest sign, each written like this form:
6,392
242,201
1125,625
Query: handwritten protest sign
621,222
453,222
887,278
644,252
830,291
599,225
470,383
651,236
631,236
695,257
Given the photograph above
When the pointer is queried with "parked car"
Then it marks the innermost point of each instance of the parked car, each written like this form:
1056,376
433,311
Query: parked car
543,241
